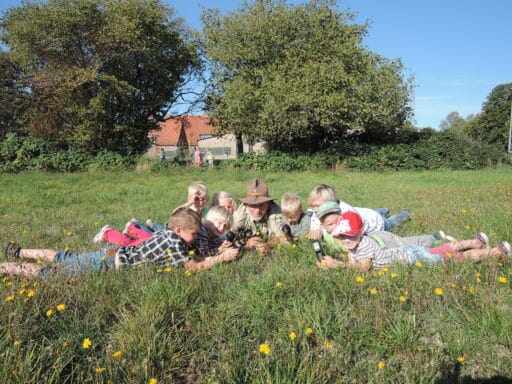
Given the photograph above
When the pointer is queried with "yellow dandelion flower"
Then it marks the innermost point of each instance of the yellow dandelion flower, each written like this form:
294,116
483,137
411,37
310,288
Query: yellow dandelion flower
168,269
99,369
328,345
169,250
35,284
381,365
159,270
188,273
372,291
359,279
453,285
324,263
292,335
438,291
419,264
117,354
406,293
39,262
86,343
402,298
502,279
278,284
65,343
448,255
191,252
478,280
69,233
9,298
306,236
461,359
309,331
385,269
49,312
265,349
294,245
153,381
21,292
394,275
5,279
381,273
500,264
61,307
468,227
16,343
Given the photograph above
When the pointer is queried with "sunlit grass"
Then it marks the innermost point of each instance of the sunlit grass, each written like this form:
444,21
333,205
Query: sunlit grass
276,319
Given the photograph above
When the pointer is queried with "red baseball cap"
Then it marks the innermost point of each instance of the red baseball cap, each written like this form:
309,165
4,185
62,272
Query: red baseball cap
348,223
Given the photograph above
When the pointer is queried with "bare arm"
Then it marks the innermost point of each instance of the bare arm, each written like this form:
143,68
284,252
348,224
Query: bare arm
226,255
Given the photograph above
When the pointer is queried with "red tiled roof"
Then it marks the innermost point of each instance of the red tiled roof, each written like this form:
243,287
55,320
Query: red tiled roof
193,127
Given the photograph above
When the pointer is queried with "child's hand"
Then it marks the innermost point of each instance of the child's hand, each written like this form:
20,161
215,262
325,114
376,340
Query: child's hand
327,262
230,254
255,242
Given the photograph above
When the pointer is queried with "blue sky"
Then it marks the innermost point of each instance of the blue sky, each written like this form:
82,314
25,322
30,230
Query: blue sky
457,51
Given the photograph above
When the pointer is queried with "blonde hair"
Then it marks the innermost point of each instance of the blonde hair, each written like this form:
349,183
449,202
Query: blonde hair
323,191
291,204
217,196
197,187
185,218
219,213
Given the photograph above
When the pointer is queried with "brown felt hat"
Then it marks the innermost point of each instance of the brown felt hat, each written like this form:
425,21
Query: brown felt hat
257,193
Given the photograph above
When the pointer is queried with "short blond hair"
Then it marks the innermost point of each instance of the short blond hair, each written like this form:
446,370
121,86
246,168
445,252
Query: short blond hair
184,218
291,204
219,213
197,187
323,191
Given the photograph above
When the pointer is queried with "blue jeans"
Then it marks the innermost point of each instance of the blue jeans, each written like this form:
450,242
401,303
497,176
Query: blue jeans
156,227
421,254
76,264
394,220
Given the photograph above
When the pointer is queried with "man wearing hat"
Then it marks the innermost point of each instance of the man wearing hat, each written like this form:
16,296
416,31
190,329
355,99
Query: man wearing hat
259,214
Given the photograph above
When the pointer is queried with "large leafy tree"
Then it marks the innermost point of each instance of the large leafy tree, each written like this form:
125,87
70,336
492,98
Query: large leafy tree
492,124
298,76
12,96
99,73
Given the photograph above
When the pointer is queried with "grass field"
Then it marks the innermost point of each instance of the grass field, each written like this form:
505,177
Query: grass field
274,319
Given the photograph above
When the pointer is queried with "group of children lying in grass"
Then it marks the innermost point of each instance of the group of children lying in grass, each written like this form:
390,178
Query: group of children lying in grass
198,237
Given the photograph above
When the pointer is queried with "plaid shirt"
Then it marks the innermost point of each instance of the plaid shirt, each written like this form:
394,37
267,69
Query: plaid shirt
164,248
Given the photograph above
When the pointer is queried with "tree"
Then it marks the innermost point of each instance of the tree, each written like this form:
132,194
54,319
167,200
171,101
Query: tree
99,73
12,97
455,123
491,125
298,77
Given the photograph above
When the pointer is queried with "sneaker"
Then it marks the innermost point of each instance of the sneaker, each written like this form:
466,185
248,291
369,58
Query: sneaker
128,223
504,248
405,210
99,236
150,223
443,236
12,251
482,237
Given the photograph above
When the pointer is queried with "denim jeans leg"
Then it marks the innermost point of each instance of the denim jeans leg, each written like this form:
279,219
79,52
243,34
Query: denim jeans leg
397,219
76,264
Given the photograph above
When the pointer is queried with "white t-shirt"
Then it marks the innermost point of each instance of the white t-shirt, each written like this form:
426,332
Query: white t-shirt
372,220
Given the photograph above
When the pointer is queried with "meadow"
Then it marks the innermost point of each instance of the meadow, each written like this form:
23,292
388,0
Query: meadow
273,319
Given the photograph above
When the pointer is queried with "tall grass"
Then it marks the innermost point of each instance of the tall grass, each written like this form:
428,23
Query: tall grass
431,324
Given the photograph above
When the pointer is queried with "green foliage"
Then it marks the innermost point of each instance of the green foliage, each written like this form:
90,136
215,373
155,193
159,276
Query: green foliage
12,98
278,161
493,123
99,74
208,327
443,150
298,77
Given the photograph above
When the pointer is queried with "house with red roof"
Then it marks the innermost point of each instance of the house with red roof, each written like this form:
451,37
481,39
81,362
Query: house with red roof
184,133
